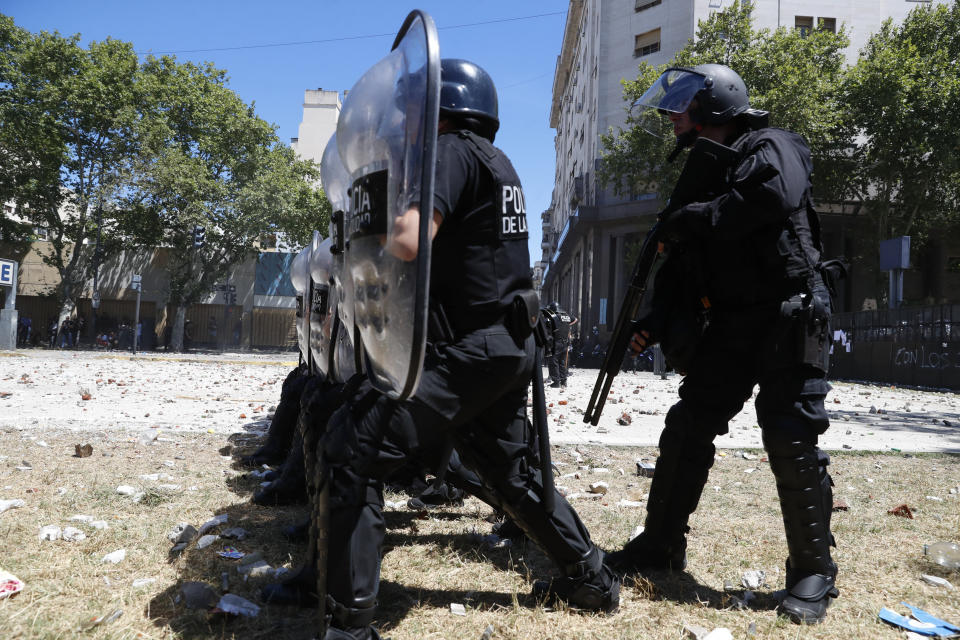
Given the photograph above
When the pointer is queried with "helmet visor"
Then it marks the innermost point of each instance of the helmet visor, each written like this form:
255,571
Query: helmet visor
672,92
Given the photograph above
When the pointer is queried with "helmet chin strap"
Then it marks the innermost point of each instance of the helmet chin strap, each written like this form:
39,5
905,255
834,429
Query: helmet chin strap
684,140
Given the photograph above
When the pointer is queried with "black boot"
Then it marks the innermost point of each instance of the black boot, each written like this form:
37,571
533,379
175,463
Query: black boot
686,456
299,532
345,623
806,500
590,586
290,487
282,426
300,590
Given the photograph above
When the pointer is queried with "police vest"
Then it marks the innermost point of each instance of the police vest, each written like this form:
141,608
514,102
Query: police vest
494,243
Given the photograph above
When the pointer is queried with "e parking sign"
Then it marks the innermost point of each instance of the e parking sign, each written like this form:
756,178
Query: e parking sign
8,273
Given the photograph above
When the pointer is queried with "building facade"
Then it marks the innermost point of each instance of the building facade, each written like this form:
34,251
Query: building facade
589,233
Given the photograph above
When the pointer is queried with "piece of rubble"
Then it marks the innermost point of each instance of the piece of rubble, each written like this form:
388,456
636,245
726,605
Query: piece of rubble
207,540
236,533
458,609
235,605
695,632
139,583
72,534
50,532
936,581
6,505
754,579
645,469
115,557
126,490
214,522
599,487
198,595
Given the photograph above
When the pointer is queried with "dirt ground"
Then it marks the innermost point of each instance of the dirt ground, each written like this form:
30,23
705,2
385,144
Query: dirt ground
171,428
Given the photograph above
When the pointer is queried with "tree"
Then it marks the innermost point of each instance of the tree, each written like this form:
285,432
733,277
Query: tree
904,99
66,118
209,161
796,78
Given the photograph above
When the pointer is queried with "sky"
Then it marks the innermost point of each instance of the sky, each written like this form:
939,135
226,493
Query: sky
516,42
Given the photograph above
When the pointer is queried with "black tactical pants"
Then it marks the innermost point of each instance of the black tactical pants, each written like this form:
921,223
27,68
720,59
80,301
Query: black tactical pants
790,409
559,363
473,393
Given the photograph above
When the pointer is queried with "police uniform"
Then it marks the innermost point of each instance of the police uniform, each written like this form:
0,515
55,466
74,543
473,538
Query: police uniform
756,249
472,391
559,363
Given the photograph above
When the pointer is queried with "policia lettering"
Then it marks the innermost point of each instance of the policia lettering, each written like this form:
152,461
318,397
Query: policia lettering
513,213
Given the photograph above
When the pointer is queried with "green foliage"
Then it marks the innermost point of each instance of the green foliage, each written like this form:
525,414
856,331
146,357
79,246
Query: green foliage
796,79
151,150
904,98
66,118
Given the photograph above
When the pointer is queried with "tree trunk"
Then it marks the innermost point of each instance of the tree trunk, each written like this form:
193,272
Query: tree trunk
177,342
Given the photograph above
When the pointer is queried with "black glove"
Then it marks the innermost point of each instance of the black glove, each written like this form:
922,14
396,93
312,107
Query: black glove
689,222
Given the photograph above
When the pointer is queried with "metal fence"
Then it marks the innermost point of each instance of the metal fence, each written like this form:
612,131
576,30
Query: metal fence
910,346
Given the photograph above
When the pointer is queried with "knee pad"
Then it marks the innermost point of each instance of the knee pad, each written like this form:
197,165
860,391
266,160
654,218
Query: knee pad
786,436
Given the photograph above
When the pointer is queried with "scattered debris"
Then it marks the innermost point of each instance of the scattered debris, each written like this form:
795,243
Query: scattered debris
754,579
599,487
839,504
487,633
9,584
104,619
458,609
624,418
6,505
919,622
936,581
139,583
695,632
207,540
645,469
235,605
83,451
629,503
126,490
72,534
902,511
115,557
198,595
231,553
236,533
213,523
50,532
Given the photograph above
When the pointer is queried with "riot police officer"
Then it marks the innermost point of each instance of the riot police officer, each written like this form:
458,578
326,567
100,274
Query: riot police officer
474,383
559,364
760,316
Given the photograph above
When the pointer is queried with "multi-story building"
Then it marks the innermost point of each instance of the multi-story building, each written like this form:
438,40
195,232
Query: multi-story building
587,231
321,111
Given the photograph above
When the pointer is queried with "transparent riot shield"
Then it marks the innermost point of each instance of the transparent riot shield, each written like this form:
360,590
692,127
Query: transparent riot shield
321,320
386,137
300,278
336,184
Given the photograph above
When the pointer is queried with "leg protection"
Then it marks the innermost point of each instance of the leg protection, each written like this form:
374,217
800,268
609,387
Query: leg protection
284,422
290,487
350,622
588,584
806,500
686,456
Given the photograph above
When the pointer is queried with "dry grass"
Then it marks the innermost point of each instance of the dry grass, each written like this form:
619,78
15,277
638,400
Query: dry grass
441,560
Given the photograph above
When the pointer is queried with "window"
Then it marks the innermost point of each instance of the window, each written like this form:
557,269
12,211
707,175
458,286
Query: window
645,4
646,43
41,233
803,24
827,24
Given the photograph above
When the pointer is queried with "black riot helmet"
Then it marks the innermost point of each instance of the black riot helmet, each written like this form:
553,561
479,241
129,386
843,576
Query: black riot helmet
719,92
468,96
554,306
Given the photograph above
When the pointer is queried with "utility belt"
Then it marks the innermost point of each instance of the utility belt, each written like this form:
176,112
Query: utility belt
520,317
